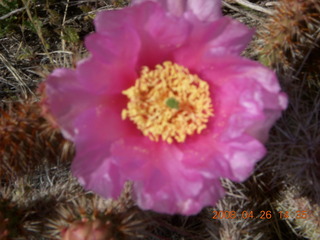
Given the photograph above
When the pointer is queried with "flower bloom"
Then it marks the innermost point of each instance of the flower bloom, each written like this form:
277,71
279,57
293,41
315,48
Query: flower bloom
166,102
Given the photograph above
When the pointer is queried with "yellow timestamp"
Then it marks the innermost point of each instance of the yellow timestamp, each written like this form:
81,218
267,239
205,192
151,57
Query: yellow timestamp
268,214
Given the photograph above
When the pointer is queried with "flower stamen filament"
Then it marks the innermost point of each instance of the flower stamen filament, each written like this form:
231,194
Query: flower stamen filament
168,103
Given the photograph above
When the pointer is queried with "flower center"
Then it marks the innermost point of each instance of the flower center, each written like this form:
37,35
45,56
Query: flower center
168,103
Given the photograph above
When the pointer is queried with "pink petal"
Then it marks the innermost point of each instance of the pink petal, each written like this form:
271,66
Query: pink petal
215,156
175,7
219,38
121,48
100,174
168,200
204,10
66,99
233,40
102,124
159,175
242,154
167,31
245,92
158,33
101,78
114,21
247,101
96,129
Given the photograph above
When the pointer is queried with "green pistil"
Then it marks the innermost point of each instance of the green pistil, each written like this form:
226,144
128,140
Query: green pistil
172,103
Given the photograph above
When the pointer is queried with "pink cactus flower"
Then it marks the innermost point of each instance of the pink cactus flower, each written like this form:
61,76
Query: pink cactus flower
165,101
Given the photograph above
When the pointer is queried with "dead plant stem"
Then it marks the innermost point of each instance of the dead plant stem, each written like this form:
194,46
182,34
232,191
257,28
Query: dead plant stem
38,29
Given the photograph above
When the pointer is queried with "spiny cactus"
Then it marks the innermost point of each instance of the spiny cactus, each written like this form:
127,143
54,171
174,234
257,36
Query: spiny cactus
244,213
87,230
28,141
93,218
24,208
27,201
302,215
295,141
15,222
291,35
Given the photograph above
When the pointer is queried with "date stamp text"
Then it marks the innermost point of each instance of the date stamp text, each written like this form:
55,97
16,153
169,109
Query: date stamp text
260,215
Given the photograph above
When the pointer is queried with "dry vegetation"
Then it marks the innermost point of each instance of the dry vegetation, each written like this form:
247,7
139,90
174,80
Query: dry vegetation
40,200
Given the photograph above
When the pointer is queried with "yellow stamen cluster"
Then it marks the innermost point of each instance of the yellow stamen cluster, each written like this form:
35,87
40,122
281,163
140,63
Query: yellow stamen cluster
168,102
